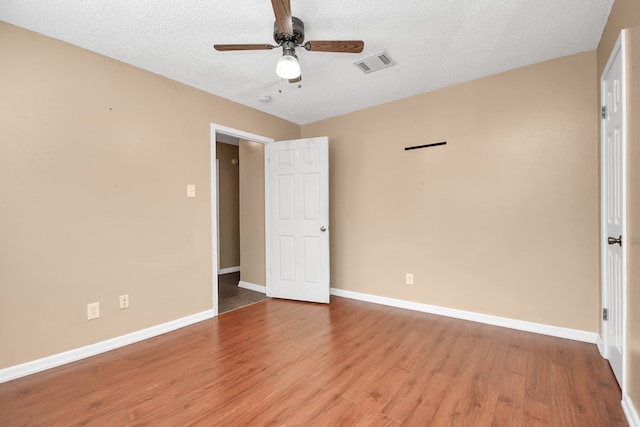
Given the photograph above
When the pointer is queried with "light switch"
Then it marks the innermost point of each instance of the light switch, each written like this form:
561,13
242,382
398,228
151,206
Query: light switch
191,190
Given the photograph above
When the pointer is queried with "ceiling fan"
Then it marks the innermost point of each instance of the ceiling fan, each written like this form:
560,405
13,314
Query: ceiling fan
288,32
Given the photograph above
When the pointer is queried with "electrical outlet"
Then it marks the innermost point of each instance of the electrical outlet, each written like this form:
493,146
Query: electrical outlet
409,279
93,310
124,301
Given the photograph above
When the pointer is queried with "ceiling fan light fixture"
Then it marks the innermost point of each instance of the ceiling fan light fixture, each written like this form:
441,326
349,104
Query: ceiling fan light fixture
288,66
288,33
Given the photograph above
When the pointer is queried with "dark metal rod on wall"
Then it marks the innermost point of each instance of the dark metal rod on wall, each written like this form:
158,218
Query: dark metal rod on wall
415,147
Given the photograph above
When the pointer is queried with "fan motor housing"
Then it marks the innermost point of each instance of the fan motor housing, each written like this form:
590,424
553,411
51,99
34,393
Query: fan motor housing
298,32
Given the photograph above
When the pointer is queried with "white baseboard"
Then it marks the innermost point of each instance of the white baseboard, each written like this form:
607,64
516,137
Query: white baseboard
539,328
28,368
600,345
252,287
229,270
630,411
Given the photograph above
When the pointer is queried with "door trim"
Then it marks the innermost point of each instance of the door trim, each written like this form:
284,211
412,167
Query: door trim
619,48
213,171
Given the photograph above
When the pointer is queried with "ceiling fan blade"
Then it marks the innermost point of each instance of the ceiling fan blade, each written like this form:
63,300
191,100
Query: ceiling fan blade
344,46
225,47
282,11
296,80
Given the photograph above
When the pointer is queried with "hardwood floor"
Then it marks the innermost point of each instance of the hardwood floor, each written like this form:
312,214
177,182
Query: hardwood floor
281,362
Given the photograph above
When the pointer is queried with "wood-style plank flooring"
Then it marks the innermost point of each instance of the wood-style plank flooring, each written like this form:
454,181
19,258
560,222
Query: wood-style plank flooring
350,363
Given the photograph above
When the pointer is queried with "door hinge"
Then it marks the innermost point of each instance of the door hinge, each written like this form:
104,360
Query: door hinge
604,111
605,314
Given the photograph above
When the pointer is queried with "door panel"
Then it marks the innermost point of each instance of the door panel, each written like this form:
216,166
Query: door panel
613,212
298,187
312,253
285,197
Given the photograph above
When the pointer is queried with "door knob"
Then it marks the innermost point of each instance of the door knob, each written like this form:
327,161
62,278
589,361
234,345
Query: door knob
613,240
323,228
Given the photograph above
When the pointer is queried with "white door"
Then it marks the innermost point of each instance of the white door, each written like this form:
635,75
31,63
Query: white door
298,219
613,142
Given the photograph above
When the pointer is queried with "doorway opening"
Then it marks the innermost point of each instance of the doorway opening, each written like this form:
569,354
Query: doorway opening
237,182
230,295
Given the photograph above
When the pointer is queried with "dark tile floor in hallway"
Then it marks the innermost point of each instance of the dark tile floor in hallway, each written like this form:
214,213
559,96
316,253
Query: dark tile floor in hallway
230,296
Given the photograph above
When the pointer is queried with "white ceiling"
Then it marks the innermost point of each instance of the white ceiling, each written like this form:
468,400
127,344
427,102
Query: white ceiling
435,43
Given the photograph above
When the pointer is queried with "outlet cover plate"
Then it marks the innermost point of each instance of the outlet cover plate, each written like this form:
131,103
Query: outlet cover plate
93,310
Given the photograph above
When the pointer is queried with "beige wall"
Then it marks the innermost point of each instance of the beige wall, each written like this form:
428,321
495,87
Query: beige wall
502,220
626,14
229,207
95,156
252,231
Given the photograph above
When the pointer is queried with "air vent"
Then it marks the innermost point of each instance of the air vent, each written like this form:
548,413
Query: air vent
375,63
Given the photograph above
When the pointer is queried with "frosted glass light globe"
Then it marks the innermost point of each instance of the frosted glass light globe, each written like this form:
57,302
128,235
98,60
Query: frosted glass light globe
288,67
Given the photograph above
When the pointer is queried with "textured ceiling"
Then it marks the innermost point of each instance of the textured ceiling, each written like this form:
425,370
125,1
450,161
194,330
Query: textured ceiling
435,43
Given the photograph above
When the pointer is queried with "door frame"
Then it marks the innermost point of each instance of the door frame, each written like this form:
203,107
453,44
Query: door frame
619,48
216,128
